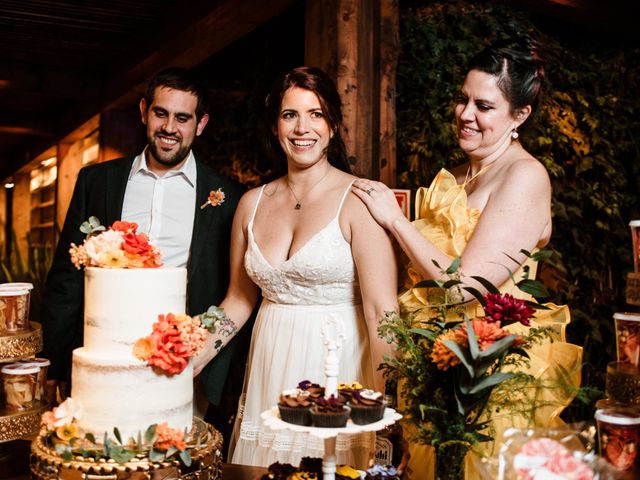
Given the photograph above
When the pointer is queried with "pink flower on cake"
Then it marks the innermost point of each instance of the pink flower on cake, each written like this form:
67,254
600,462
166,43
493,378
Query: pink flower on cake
216,197
169,437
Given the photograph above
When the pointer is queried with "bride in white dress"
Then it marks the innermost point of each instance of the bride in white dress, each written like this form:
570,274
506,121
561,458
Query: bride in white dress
314,250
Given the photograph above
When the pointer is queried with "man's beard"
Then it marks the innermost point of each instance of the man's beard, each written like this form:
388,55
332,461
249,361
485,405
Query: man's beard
162,157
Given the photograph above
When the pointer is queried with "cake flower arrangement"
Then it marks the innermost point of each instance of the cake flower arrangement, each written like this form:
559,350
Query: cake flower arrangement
160,442
176,338
119,246
455,368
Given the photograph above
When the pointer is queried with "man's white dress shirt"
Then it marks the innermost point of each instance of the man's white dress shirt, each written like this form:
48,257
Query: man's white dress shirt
163,207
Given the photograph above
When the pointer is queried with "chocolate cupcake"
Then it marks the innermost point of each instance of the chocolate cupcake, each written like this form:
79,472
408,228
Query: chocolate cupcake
382,472
314,390
311,464
367,406
279,471
329,413
294,407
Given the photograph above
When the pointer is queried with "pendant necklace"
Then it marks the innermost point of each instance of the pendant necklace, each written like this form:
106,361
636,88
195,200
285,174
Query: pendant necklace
298,205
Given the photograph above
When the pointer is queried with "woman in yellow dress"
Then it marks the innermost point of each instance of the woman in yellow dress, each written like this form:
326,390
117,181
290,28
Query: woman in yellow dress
485,211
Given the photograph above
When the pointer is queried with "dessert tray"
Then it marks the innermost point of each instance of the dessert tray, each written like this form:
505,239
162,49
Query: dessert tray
272,420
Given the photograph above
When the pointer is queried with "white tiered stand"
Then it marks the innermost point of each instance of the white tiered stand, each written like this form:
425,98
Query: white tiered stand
333,336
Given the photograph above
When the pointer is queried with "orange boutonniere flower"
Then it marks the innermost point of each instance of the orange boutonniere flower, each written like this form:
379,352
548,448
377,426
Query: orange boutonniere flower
216,197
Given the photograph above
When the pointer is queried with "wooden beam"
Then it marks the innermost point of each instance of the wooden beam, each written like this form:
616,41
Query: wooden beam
23,124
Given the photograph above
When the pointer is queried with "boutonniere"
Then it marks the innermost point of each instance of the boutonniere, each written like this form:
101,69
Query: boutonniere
216,197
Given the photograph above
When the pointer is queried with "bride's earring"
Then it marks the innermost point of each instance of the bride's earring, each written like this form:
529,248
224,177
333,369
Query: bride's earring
514,134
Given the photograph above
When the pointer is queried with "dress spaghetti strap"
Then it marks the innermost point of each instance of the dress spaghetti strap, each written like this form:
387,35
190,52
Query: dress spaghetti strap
255,208
344,196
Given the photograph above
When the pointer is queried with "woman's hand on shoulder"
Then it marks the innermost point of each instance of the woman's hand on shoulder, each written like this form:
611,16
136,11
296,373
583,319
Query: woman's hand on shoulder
380,201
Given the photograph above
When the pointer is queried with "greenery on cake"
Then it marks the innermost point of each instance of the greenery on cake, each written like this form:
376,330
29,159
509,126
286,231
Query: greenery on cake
159,443
119,246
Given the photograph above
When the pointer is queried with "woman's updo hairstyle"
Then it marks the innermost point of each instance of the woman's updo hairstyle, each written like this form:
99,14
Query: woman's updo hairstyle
517,64
318,82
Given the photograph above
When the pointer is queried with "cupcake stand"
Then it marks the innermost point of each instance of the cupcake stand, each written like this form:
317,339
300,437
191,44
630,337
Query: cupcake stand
15,346
333,336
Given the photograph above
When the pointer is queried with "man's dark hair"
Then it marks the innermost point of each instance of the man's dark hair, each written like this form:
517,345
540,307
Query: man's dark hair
183,79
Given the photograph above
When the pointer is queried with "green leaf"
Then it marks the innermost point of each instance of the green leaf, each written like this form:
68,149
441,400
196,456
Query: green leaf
116,433
156,455
121,454
463,355
476,293
497,348
455,265
150,435
90,437
491,381
542,255
533,287
490,287
170,451
474,349
185,457
429,284
451,283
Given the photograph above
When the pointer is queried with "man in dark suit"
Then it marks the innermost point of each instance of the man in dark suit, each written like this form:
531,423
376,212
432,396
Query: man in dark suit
163,190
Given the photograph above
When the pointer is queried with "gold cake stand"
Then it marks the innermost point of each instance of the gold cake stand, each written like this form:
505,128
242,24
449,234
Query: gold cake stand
13,347
204,447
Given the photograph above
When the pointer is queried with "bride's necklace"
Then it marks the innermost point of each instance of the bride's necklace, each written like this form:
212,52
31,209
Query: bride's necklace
298,205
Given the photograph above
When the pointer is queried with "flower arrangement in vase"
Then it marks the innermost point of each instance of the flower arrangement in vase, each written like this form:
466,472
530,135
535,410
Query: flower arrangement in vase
457,364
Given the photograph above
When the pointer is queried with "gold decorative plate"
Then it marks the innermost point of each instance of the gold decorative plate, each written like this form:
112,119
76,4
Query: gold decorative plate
14,346
14,425
204,449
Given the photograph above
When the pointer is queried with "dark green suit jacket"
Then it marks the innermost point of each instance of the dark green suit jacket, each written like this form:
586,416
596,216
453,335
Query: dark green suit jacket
99,192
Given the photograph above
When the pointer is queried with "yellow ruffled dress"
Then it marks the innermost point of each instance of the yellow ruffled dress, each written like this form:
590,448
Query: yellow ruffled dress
443,218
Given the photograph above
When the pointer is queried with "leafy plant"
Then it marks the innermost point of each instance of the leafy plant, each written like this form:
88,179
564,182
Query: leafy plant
456,371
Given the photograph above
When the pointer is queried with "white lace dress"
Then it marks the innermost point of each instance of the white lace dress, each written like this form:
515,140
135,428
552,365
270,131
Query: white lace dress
287,346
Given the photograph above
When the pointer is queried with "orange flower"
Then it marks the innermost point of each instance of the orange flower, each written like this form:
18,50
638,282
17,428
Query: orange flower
143,348
169,437
216,197
441,355
486,333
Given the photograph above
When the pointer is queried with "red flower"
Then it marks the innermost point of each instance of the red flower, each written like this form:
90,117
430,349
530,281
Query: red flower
506,309
169,437
171,352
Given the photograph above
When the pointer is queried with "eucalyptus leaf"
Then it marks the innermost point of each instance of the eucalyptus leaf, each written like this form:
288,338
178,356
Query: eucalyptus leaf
185,457
476,293
90,437
150,435
156,455
116,433
170,451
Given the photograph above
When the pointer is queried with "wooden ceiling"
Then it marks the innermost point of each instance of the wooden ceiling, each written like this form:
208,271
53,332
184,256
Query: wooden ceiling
63,61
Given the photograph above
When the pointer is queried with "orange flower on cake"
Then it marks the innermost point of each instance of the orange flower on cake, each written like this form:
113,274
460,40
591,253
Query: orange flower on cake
169,438
173,341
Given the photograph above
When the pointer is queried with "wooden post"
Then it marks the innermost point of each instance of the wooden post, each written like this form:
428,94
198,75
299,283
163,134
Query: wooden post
356,41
